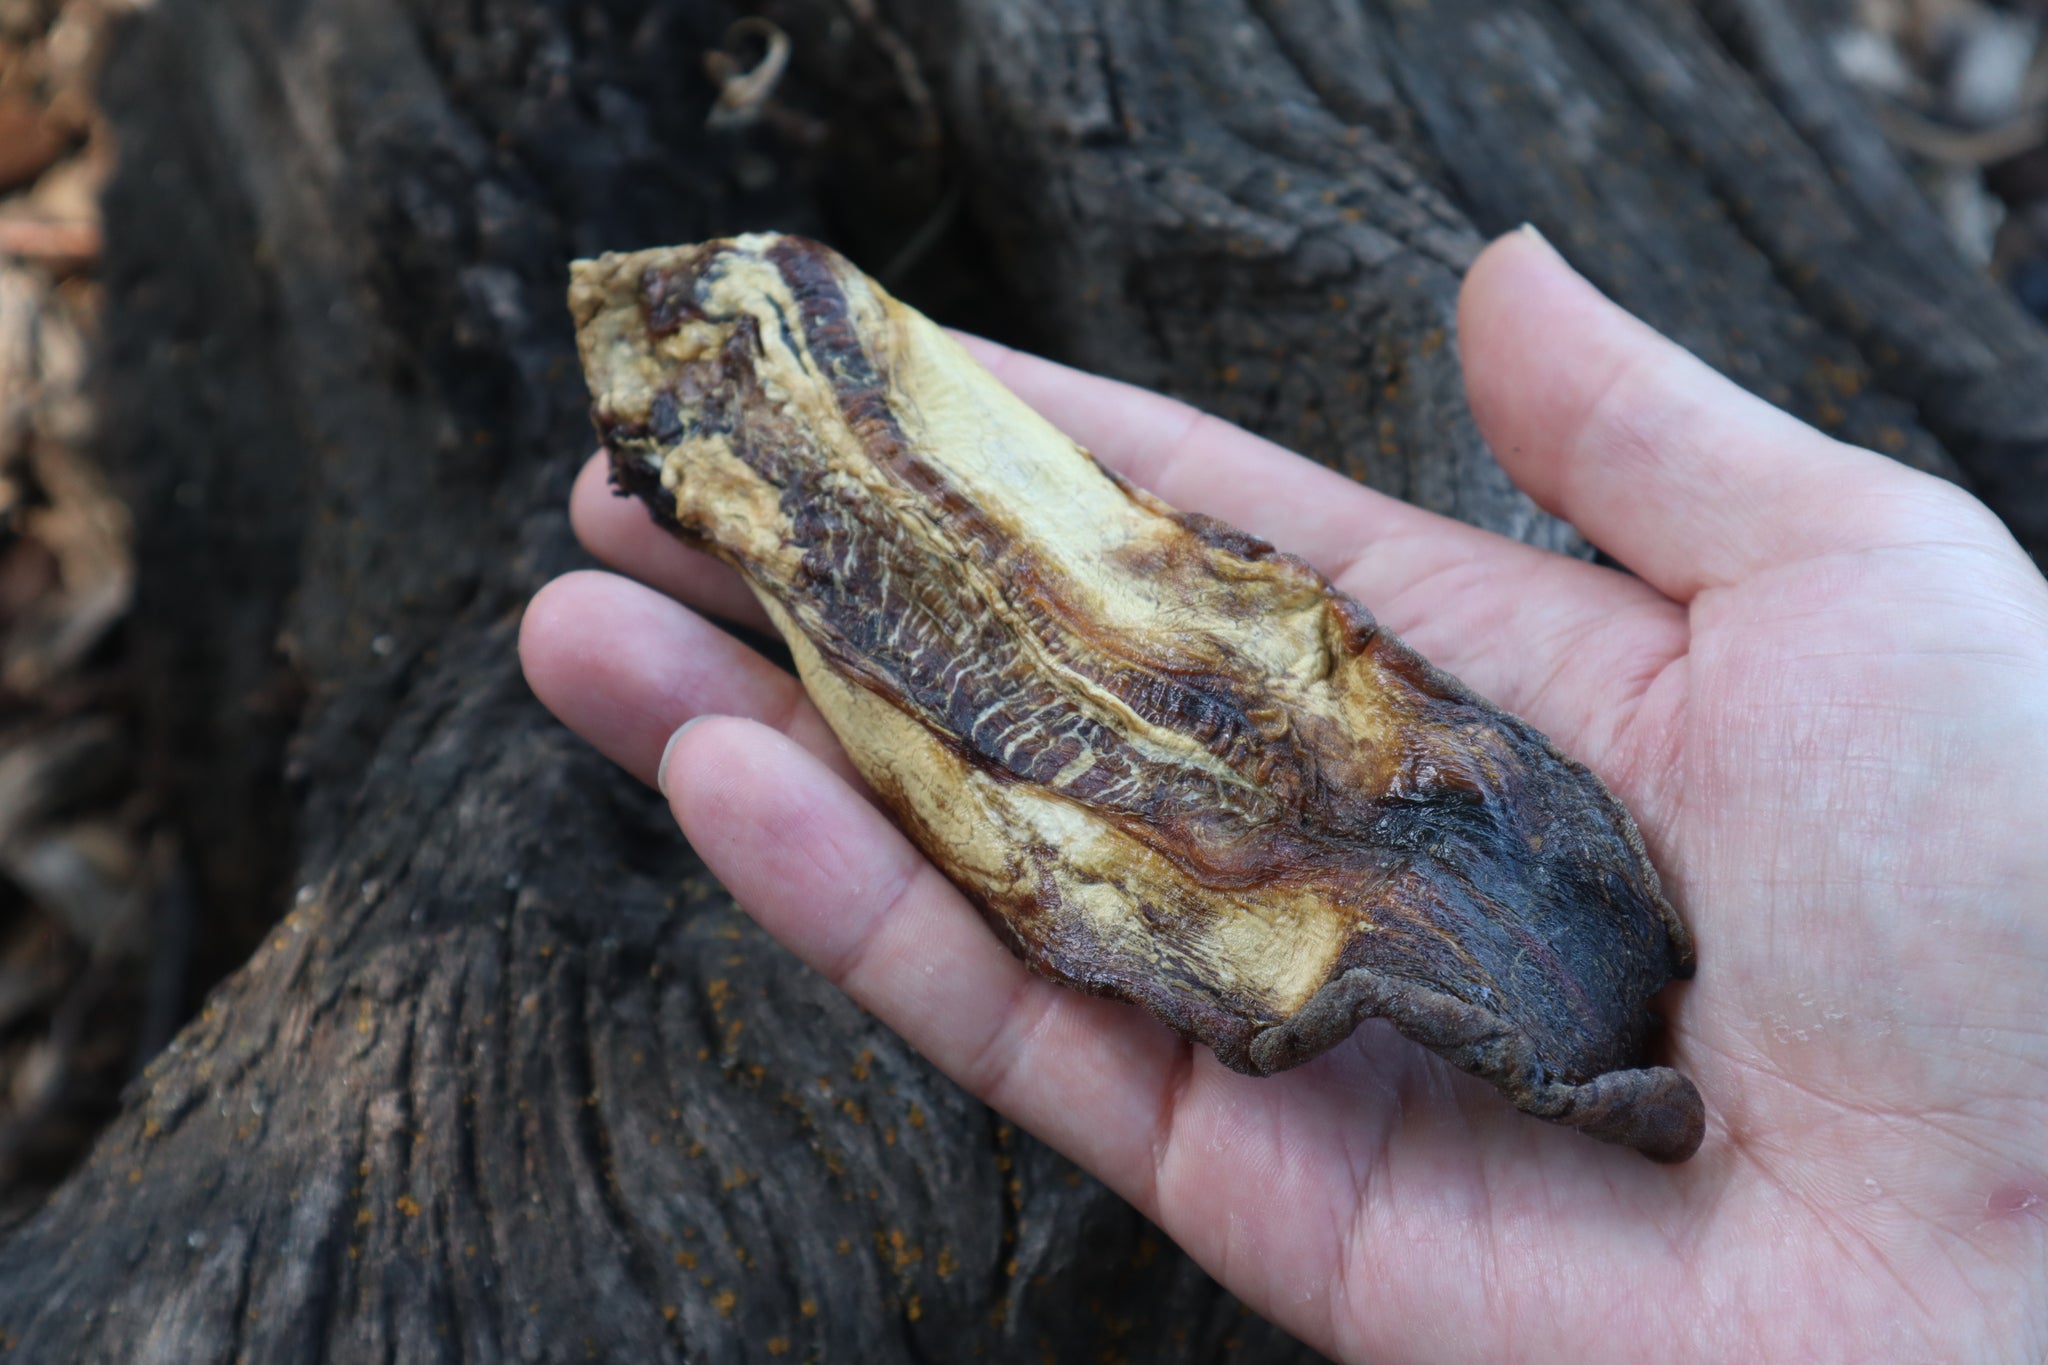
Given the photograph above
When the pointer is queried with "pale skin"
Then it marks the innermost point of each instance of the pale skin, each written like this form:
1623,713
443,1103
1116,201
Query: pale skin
1823,690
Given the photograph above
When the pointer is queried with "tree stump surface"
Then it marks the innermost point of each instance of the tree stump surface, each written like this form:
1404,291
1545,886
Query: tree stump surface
508,1076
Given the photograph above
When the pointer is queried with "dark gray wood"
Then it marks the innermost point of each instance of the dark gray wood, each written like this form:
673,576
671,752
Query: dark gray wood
1264,207
507,1076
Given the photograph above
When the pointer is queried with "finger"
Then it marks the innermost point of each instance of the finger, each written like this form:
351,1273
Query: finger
1204,464
1675,471
619,531
624,667
1557,640
852,898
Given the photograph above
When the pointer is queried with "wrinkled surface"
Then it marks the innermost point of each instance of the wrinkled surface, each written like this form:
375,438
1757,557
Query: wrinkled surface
1170,764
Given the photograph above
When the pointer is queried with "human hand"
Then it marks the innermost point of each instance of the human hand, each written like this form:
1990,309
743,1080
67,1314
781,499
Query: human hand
1824,695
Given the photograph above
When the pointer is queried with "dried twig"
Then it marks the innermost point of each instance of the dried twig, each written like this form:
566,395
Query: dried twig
915,90
924,239
743,94
1963,147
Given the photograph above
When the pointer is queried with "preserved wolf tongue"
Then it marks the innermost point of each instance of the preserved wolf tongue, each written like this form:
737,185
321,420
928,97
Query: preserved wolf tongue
1170,764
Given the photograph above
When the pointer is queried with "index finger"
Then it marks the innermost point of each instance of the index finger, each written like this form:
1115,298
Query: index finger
1550,637
1201,463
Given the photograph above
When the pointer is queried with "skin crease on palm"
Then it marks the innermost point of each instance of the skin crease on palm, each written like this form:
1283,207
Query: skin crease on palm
1824,694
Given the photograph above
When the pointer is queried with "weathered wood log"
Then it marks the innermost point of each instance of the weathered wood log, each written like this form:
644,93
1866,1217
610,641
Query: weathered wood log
508,1076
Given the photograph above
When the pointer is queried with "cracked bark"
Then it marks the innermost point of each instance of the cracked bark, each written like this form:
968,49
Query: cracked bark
507,1076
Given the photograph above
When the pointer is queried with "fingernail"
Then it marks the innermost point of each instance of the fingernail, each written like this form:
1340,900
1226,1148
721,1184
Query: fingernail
668,749
1534,233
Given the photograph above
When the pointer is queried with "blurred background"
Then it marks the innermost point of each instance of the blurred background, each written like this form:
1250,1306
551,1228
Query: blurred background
91,983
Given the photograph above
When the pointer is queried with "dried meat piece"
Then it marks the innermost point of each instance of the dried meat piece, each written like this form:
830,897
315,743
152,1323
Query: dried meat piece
1170,764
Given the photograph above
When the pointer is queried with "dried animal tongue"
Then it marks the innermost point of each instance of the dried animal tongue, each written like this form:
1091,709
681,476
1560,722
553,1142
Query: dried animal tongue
1170,764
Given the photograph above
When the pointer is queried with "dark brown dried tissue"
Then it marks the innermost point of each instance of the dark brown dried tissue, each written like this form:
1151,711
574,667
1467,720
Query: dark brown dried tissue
1169,764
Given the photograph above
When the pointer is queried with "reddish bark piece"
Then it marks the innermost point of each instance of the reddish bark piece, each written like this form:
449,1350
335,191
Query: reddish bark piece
29,144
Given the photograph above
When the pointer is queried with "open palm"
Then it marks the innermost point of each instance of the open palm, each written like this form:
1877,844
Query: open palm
1824,694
